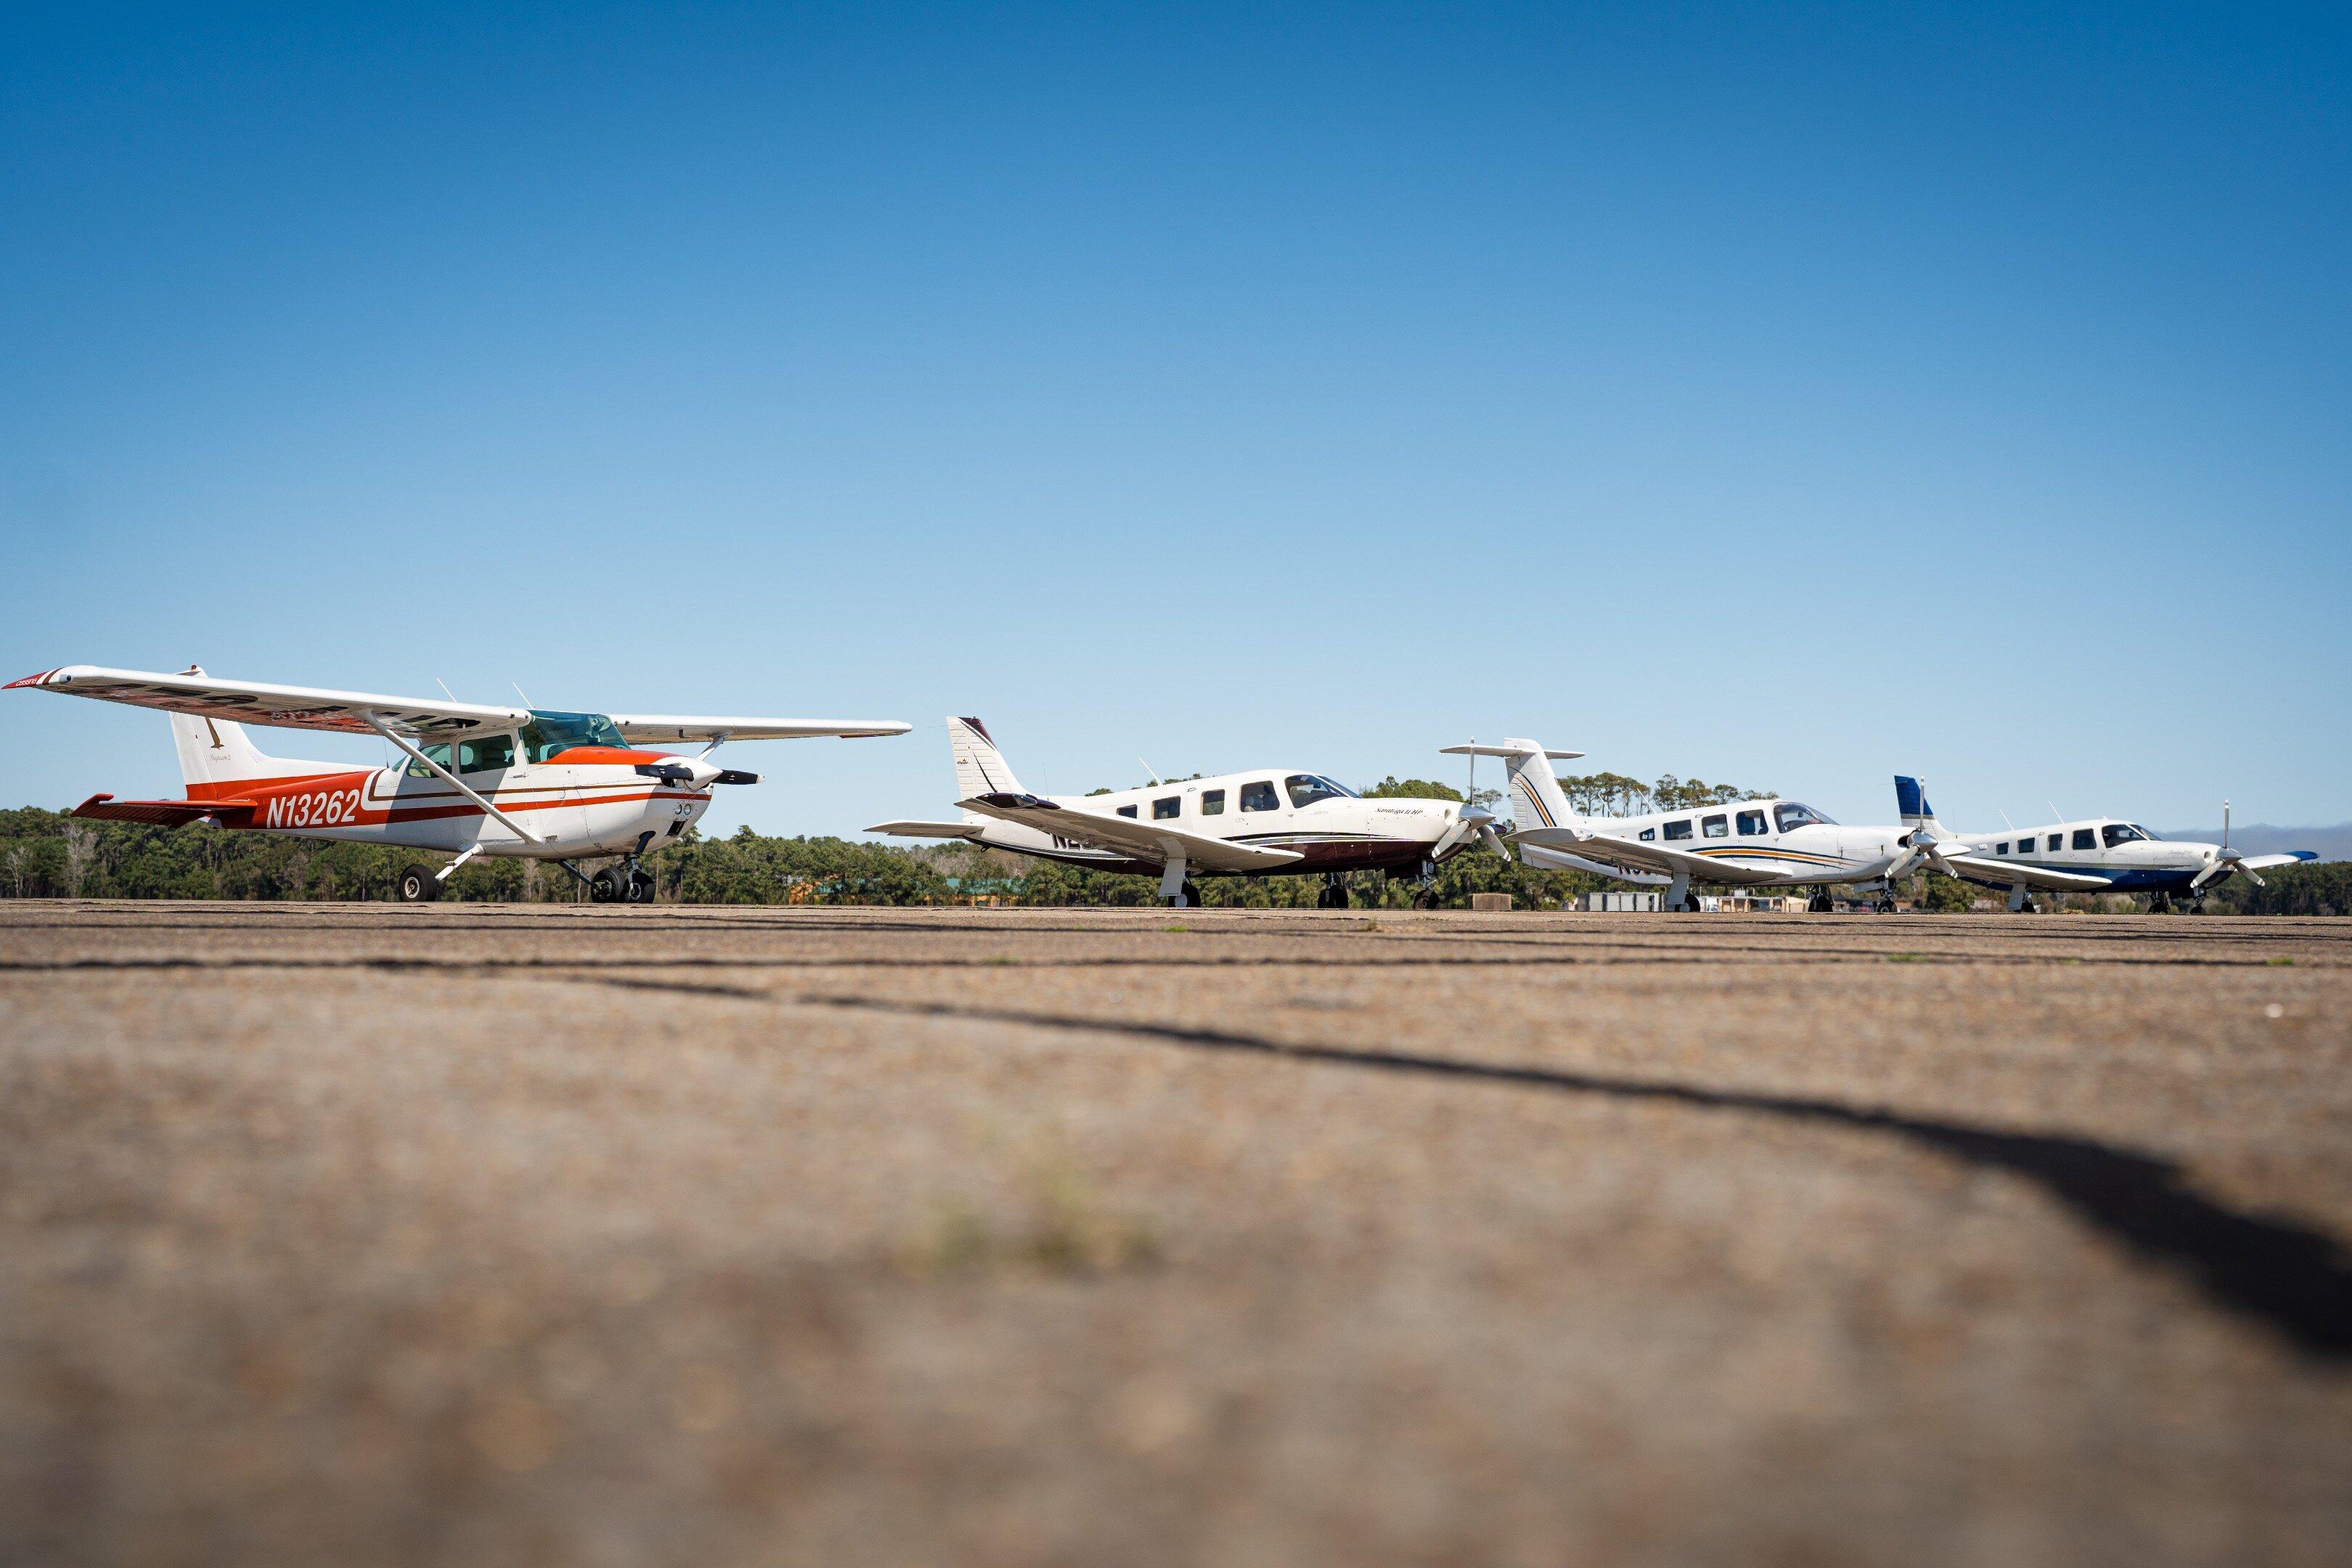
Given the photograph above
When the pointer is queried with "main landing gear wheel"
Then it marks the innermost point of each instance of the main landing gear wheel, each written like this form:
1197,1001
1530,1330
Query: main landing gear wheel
1335,896
1885,905
609,885
1819,904
1192,895
2160,904
416,886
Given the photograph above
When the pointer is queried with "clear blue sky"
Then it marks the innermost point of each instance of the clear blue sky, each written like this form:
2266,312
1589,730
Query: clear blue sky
1784,396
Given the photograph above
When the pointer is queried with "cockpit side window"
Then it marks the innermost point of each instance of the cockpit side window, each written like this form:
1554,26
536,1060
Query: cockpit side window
1306,789
1789,814
2116,833
438,752
549,732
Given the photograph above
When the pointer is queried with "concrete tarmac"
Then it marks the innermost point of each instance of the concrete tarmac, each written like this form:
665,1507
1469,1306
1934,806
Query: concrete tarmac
362,1234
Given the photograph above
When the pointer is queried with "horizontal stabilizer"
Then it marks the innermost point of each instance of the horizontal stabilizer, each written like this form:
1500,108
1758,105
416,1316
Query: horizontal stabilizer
930,829
165,813
1506,752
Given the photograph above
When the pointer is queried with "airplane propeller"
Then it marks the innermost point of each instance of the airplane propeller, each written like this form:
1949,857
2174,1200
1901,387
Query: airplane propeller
1920,848
1474,818
695,773
2224,860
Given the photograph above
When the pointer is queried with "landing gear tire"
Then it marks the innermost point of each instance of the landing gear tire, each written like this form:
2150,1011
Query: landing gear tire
639,889
1819,904
1885,905
1334,896
416,886
2160,904
2029,908
1192,895
2197,906
608,885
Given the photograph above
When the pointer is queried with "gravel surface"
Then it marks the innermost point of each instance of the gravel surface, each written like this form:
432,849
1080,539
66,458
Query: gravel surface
360,1235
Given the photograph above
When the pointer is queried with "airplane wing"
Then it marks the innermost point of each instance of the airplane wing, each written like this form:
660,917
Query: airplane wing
1126,836
929,829
2009,873
1637,856
674,727
259,702
2264,862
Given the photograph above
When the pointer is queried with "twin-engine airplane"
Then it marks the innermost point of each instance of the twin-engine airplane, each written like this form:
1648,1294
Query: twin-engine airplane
1766,843
1265,822
480,780
2099,854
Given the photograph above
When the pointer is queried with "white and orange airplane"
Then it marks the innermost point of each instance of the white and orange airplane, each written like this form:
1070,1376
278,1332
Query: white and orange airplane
480,780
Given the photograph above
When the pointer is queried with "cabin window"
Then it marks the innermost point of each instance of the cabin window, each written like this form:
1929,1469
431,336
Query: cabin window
2116,833
1679,829
2057,842
2002,847
1127,811
1715,827
1789,814
1306,789
2085,840
486,753
1260,796
1751,823
1648,836
1167,807
1213,803
438,752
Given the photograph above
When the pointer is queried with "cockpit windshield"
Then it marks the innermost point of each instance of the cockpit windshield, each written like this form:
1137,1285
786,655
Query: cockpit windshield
1306,789
548,733
2116,833
1789,814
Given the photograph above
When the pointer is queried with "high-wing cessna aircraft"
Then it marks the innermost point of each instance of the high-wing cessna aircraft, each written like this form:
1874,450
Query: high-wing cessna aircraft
1265,822
480,780
1768,843
2098,853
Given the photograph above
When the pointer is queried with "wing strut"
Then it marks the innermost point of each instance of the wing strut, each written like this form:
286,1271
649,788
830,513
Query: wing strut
462,787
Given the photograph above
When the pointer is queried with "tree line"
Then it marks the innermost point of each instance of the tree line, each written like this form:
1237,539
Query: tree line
48,854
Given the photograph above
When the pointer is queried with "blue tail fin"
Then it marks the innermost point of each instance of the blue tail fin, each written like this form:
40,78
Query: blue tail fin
1911,802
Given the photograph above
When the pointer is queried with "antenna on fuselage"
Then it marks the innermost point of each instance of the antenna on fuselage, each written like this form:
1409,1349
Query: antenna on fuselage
1148,769
519,691
2056,814
2005,822
445,688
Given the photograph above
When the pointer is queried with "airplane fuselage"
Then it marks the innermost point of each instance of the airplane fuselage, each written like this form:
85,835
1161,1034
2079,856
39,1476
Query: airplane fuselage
1273,808
571,809
1768,842
2129,858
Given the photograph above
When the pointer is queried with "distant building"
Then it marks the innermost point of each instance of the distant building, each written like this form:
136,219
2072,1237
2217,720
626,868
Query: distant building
1641,901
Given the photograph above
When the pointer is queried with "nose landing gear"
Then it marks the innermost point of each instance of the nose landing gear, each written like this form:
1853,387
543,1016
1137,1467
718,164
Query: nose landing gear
624,884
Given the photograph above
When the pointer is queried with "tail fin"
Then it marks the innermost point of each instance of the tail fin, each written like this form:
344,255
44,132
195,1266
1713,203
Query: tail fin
1911,803
980,767
215,755
1536,797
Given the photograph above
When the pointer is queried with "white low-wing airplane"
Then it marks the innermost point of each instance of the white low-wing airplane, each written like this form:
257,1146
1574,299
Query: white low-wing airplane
480,780
2115,856
1264,822
1767,843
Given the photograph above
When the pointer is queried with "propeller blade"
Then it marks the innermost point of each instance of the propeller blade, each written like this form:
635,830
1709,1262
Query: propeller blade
2215,870
1494,839
2257,875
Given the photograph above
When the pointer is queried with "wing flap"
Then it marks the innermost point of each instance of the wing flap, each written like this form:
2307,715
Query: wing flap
1126,836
